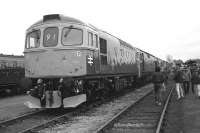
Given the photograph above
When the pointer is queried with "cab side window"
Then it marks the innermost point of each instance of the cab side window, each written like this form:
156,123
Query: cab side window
90,39
95,41
103,51
33,39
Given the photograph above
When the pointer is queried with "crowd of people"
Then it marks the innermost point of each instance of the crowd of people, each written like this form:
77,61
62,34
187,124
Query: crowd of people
186,79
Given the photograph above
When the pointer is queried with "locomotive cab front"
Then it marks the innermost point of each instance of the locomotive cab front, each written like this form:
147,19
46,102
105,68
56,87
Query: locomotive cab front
59,48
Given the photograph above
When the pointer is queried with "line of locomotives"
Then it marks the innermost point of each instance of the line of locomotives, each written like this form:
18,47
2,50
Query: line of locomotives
70,62
11,74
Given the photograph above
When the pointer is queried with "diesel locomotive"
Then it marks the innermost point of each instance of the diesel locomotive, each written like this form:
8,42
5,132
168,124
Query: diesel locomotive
70,62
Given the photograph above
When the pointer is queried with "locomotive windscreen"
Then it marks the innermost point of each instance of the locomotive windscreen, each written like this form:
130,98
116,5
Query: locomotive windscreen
72,36
50,36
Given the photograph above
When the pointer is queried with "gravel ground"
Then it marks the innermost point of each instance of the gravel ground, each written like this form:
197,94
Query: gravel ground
91,120
11,107
183,116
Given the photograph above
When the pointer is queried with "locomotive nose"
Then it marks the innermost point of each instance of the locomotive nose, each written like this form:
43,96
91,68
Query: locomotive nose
56,63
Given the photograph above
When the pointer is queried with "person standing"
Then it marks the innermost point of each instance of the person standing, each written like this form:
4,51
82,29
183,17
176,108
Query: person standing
196,82
179,80
193,81
187,80
61,89
198,85
165,75
41,91
158,80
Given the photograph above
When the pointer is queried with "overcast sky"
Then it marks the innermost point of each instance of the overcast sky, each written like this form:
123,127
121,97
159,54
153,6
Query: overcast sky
156,26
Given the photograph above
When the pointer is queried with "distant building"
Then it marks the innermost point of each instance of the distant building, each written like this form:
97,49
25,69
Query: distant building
178,62
11,61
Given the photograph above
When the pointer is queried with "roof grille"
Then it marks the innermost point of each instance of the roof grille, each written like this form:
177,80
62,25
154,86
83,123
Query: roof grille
51,17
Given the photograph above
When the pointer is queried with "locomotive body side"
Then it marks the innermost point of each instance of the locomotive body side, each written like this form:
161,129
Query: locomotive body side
149,63
118,58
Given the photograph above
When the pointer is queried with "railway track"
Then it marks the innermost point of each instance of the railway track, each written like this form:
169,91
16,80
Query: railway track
5,125
43,119
62,118
12,120
142,117
174,122
35,121
31,120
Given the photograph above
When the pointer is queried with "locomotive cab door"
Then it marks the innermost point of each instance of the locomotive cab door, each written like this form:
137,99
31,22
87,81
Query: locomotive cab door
156,64
96,54
140,63
103,54
93,62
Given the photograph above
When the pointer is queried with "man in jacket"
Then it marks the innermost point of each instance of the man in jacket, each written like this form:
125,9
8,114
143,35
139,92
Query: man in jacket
158,79
186,80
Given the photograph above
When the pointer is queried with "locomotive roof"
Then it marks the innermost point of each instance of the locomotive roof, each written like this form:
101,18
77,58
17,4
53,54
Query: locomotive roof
58,18
66,19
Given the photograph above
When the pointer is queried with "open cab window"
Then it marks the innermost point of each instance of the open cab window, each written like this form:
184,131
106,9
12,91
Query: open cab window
33,39
90,39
